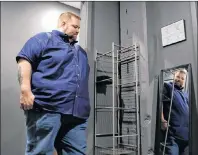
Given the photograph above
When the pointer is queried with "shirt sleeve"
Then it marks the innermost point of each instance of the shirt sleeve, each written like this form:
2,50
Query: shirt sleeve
165,96
31,51
186,97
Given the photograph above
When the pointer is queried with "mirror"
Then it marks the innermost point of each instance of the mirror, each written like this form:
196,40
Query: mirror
173,111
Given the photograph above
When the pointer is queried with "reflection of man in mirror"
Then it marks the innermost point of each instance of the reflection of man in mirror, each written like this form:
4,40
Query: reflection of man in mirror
177,138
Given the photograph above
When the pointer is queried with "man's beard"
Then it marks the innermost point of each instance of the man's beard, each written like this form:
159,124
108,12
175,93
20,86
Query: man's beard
179,85
72,37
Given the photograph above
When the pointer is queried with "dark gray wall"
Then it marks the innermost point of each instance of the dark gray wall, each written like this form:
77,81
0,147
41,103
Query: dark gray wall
86,41
106,31
133,28
19,21
144,21
102,30
160,14
106,25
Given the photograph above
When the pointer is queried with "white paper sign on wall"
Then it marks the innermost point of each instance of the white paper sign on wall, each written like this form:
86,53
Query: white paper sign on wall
173,33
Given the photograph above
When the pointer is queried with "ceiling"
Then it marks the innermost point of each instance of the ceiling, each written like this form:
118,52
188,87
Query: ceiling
73,4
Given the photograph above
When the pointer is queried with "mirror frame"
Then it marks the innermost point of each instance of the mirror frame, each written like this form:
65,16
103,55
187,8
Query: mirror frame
159,105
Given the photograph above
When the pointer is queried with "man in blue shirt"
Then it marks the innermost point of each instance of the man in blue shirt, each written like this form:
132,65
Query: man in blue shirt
53,74
178,131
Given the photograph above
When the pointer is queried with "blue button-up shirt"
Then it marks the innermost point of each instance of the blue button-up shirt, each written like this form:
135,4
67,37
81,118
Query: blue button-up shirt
179,119
60,72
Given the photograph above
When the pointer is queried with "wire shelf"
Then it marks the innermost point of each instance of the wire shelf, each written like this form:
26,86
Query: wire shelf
116,107
117,151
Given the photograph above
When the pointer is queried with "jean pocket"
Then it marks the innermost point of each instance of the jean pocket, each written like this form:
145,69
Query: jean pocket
48,121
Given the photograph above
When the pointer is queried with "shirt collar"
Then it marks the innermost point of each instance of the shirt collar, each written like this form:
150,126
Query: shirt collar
176,86
64,36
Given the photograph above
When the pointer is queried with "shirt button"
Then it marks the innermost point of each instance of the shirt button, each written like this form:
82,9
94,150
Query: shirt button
76,96
78,85
76,65
78,74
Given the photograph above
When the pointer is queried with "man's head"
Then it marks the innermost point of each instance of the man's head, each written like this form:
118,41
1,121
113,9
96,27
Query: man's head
69,23
180,77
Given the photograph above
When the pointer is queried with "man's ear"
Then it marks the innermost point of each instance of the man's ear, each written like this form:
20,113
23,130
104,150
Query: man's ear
63,23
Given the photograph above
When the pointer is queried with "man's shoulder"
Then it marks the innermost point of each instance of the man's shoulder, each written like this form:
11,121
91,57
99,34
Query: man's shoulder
167,84
42,35
186,94
84,50
167,87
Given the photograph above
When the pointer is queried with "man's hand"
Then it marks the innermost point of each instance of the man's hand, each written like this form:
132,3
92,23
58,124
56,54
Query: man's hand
26,100
164,125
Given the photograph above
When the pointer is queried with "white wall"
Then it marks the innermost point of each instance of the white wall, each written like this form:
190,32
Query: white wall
19,21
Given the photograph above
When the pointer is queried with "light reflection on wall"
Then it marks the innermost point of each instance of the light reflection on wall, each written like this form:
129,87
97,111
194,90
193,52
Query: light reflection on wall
50,19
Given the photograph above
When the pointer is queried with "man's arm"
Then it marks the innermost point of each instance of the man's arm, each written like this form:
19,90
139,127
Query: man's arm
24,74
163,121
162,116
24,78
164,124
26,60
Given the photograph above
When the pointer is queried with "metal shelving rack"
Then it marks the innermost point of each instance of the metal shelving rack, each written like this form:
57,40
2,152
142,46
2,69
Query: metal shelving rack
117,93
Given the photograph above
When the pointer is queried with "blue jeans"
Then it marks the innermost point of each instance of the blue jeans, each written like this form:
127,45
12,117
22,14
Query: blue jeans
47,131
176,146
